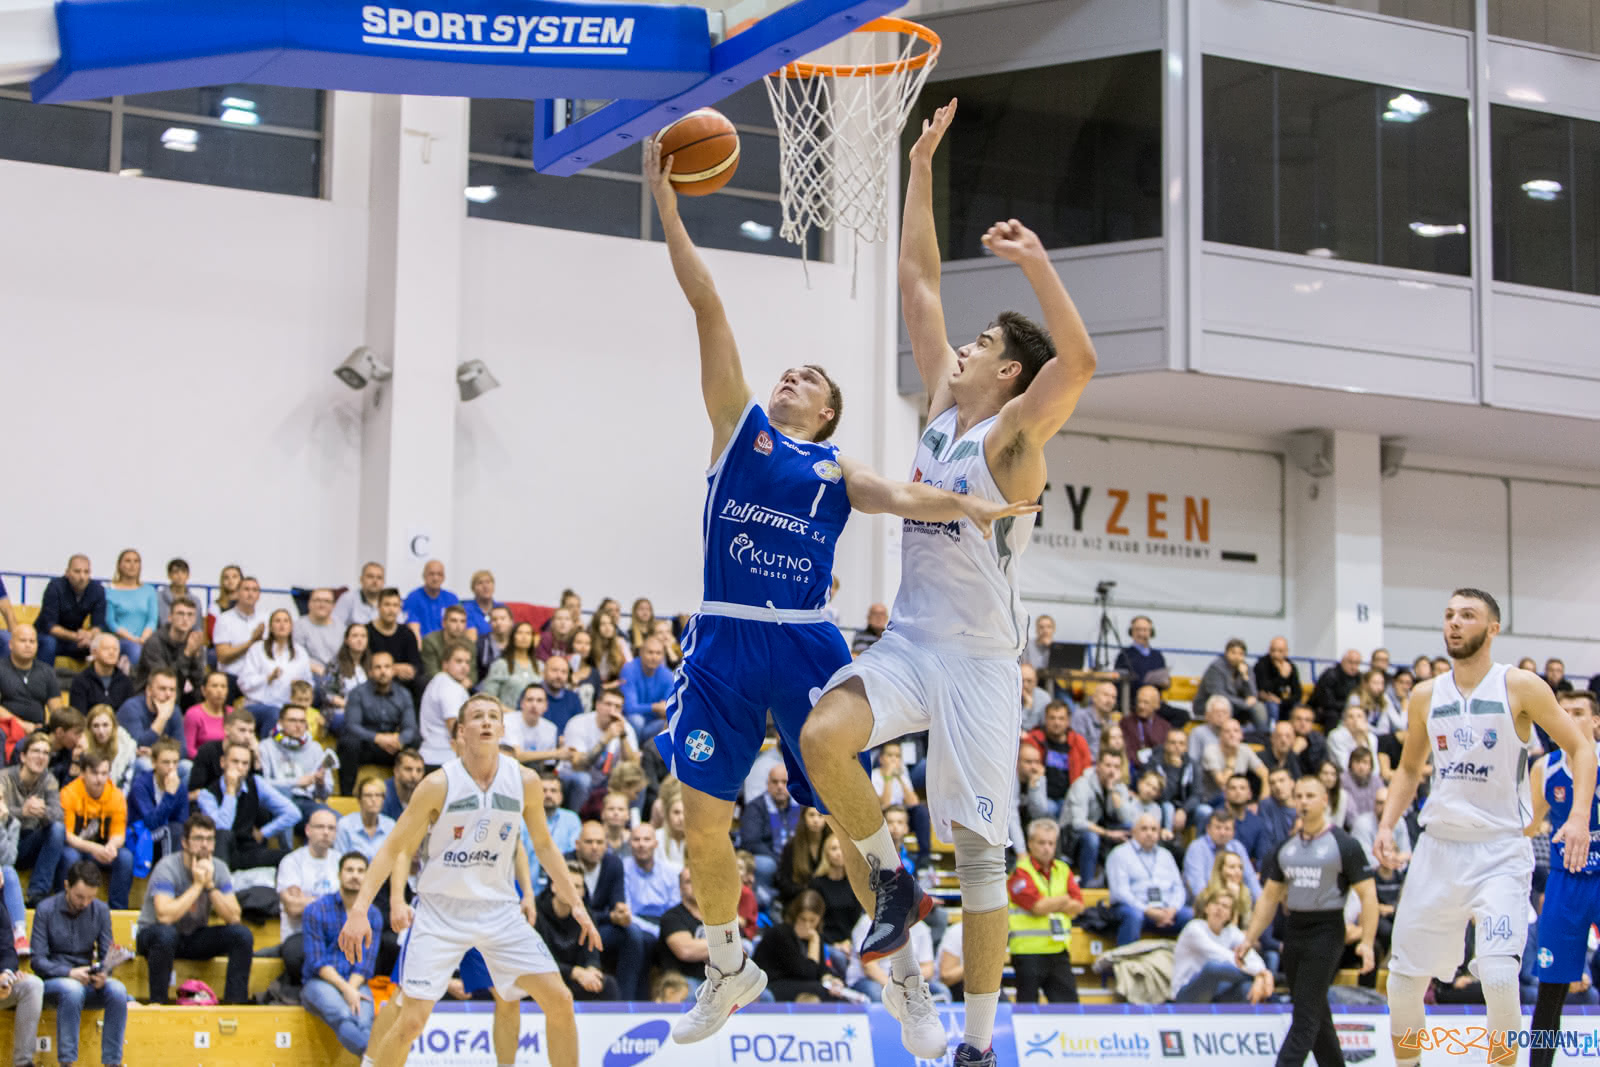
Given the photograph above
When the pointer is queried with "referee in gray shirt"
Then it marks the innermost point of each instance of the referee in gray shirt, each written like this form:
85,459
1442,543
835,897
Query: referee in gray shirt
1310,875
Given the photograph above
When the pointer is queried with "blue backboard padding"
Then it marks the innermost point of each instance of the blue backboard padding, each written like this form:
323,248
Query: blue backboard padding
477,48
769,44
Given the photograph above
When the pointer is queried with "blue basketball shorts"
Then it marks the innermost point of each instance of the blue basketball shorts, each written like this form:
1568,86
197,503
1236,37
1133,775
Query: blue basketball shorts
1571,903
733,672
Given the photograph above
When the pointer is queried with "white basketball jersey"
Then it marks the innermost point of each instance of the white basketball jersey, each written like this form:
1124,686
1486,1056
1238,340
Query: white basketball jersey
1480,765
473,843
958,591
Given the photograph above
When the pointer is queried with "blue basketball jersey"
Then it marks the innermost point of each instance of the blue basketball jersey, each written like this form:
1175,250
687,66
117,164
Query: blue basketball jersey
774,512
1558,791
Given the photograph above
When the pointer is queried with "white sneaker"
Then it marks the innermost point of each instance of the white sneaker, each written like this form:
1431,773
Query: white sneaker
921,1030
719,997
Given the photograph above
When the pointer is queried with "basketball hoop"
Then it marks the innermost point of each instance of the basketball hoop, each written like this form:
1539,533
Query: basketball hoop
838,128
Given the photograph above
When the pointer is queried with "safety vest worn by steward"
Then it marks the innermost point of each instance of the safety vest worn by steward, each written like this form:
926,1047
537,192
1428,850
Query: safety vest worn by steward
1041,935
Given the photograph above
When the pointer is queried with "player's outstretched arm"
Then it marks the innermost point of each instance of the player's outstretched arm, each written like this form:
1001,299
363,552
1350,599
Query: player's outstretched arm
1530,693
1407,776
553,862
721,373
407,834
872,493
1037,414
920,266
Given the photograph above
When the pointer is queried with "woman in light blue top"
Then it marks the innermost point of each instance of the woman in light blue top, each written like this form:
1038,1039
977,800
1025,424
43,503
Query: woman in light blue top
131,607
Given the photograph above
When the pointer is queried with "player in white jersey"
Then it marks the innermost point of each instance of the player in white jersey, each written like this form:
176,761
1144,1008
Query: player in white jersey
469,811
1473,862
948,663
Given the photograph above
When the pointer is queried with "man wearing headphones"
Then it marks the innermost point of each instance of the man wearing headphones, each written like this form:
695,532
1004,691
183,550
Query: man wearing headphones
1138,662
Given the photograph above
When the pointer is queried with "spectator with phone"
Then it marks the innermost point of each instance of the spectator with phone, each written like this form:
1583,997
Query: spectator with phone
23,993
296,765
73,953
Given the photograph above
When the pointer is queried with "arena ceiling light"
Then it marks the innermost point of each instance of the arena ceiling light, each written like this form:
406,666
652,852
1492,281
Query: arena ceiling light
473,379
482,194
1406,108
1436,229
1542,189
180,139
755,231
363,366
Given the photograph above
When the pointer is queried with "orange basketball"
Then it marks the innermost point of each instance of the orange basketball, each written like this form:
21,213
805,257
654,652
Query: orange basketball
705,151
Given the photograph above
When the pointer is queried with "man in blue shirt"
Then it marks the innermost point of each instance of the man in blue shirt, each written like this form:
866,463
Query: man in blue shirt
153,714
481,604
424,605
646,685
73,613
652,885
248,811
565,704
334,988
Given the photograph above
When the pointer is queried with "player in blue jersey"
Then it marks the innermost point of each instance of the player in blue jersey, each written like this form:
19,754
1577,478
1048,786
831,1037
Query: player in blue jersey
1571,899
778,499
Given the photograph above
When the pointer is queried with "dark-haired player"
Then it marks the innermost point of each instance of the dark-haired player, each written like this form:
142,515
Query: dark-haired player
777,500
1474,862
948,663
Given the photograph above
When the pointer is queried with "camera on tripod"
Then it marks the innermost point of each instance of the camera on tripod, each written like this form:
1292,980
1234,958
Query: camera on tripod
1103,590
1108,643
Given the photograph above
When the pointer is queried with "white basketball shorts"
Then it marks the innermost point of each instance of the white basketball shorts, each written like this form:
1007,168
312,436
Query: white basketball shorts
444,928
973,714
1451,883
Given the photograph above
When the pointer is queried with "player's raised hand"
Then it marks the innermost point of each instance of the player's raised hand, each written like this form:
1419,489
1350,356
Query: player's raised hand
983,513
1012,241
933,132
1574,837
656,171
355,937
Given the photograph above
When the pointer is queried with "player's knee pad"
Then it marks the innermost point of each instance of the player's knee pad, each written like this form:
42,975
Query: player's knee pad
1502,991
981,867
1406,1010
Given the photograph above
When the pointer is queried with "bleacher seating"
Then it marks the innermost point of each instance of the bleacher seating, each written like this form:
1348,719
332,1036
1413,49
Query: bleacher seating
204,1037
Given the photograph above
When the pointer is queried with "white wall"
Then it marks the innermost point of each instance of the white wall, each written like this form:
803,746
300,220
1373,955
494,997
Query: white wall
166,360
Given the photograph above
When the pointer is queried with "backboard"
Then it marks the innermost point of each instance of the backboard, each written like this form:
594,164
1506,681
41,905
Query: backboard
653,62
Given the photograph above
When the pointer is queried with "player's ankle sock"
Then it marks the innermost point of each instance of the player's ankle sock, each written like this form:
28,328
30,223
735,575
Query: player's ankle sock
368,1061
1547,1018
725,947
981,1007
903,964
879,849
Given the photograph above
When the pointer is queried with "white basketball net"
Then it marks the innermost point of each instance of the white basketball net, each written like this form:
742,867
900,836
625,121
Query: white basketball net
836,136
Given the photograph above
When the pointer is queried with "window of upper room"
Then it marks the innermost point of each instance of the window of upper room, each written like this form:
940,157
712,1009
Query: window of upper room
1573,24
1073,151
1546,200
259,137
1456,14
611,197
1335,168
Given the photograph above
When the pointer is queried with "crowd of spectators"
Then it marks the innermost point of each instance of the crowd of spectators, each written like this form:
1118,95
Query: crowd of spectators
207,741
